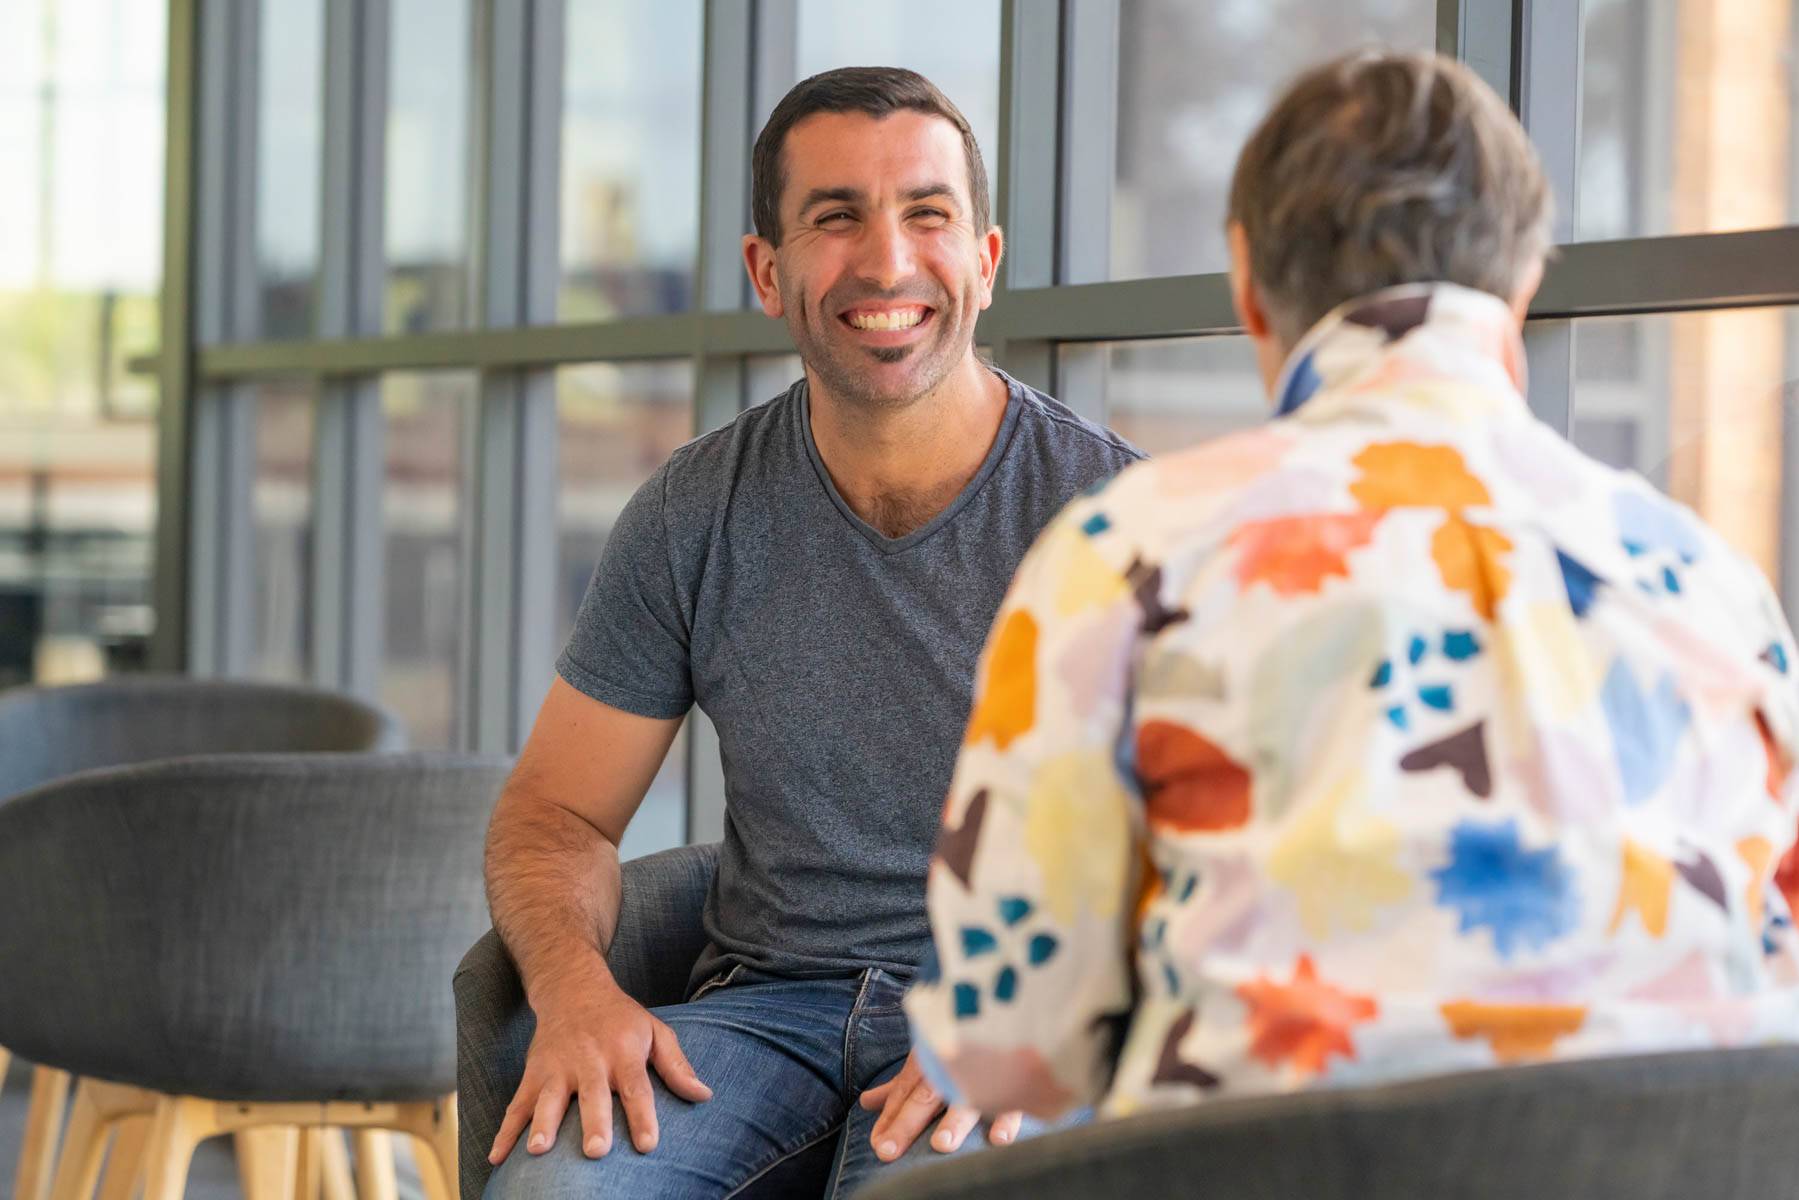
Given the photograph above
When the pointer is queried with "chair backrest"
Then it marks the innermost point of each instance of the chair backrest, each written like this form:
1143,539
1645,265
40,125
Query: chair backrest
49,732
254,927
1716,1124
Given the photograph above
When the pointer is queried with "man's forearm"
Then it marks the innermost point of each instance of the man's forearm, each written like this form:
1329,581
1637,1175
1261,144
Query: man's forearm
553,887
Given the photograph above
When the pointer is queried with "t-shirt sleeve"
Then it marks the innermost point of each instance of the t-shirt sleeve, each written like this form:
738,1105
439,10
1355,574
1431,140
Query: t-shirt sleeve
630,643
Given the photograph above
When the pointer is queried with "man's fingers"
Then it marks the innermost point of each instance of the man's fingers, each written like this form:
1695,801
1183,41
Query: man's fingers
1005,1128
953,1130
904,1120
876,1096
552,1102
517,1114
595,1100
672,1065
639,1099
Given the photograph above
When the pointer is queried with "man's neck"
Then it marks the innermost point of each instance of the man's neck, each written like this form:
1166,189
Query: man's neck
898,468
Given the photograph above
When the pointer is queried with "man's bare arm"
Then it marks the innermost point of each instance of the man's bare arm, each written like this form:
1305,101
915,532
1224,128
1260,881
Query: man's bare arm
553,886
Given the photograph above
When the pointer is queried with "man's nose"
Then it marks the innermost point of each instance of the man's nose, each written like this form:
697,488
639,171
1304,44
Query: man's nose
884,253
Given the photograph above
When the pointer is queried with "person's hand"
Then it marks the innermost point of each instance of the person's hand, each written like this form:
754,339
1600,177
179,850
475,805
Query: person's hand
908,1103
591,1043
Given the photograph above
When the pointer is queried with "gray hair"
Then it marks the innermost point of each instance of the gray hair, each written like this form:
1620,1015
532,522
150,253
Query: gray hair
1377,169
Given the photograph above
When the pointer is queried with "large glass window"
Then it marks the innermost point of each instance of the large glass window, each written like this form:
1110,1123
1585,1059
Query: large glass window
430,122
616,423
424,510
1689,117
1703,405
1168,394
630,157
953,43
281,513
81,137
1193,80
289,140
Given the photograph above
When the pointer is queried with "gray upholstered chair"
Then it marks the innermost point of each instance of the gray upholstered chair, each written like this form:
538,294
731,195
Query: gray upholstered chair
1673,1126
229,942
658,941
50,732
1718,1124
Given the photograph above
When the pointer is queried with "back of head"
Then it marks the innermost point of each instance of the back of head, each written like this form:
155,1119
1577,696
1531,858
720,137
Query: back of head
1378,169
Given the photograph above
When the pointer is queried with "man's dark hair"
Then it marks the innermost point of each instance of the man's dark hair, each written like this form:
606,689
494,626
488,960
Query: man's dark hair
877,91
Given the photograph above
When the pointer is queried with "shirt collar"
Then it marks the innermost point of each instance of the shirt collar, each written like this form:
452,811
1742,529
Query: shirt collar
1443,330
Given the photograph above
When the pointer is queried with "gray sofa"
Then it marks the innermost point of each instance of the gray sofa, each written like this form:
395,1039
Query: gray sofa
1675,1126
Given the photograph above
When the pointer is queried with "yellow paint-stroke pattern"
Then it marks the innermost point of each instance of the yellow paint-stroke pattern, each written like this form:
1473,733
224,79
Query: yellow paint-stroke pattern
1006,707
1516,1032
1341,865
1078,833
1471,559
1409,475
1646,888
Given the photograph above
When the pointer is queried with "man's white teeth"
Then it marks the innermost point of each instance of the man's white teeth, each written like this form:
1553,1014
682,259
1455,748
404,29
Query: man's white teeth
888,320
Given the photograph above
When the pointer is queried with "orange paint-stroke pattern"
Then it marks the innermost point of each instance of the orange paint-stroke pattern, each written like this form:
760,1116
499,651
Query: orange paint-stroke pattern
1007,706
1471,560
1295,555
1645,889
1190,785
1304,1022
1516,1032
1409,475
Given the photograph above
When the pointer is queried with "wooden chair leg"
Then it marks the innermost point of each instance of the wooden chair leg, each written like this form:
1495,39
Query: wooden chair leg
83,1148
336,1167
43,1121
125,1163
438,1150
268,1162
182,1123
375,1165
309,1177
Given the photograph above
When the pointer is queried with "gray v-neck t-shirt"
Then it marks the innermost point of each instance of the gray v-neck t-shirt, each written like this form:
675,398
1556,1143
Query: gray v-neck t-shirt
837,663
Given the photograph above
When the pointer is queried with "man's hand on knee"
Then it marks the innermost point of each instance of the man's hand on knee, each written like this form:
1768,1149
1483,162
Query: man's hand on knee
589,1046
908,1103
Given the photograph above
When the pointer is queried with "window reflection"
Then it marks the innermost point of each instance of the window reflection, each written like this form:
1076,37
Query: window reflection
429,128
81,140
289,145
1168,394
282,522
1193,80
630,157
1703,406
424,512
616,423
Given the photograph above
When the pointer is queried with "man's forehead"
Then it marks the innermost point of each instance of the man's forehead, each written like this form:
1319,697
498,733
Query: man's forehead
856,151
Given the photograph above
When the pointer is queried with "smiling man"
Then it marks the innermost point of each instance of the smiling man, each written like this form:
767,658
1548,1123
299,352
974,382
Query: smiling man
819,577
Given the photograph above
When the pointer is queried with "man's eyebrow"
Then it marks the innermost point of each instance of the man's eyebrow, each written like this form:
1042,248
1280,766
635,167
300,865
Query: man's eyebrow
931,190
834,195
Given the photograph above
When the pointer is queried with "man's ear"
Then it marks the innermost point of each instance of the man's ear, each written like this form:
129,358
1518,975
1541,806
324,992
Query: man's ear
1526,290
759,261
993,247
1250,313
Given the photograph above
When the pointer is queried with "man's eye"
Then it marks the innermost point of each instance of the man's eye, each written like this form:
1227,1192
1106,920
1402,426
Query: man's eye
831,218
931,214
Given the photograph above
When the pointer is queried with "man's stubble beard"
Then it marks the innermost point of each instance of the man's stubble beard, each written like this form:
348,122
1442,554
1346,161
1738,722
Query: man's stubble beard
844,381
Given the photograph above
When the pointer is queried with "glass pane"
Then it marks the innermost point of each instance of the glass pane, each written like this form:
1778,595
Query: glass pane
1689,117
289,142
964,66
630,157
1193,81
1169,394
81,137
429,128
770,375
1700,404
281,516
616,423
424,518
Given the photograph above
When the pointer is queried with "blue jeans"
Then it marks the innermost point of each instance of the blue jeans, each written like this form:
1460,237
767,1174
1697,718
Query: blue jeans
786,1060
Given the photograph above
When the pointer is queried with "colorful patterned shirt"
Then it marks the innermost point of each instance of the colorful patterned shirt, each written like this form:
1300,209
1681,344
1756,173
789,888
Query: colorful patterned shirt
1392,738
